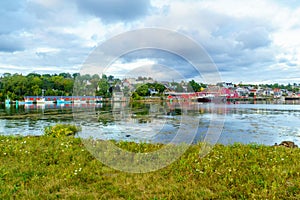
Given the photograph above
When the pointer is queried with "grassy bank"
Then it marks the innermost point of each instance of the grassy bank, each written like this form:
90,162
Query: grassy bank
49,168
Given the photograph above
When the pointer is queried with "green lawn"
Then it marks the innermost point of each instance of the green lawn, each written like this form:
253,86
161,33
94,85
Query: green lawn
49,168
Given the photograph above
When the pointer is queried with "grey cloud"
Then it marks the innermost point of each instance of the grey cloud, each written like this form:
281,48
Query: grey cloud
240,44
10,43
13,17
187,52
115,10
254,38
163,58
291,64
287,62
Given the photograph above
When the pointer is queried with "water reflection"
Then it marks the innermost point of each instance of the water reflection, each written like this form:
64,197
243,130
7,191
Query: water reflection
149,122
158,122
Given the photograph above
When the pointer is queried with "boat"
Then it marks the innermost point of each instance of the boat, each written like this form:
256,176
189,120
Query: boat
28,101
206,98
77,101
49,102
211,98
7,102
40,100
62,101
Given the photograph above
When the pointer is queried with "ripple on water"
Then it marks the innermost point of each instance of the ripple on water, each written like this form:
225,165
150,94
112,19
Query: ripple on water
245,123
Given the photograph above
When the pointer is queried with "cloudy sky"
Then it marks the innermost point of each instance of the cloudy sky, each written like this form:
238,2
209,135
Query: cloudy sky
255,41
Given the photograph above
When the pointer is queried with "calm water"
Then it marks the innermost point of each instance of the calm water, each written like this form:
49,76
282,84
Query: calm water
161,122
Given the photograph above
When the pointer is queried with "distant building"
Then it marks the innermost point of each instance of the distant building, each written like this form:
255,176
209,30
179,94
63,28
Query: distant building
243,92
225,85
266,92
277,92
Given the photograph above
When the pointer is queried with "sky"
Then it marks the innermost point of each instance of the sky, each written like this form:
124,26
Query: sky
253,41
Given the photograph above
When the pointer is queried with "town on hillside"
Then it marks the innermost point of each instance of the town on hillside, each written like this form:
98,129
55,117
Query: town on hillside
77,88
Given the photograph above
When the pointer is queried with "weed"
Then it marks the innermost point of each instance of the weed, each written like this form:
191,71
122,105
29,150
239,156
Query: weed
60,167
60,130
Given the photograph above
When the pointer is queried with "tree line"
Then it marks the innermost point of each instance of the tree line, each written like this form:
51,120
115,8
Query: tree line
17,86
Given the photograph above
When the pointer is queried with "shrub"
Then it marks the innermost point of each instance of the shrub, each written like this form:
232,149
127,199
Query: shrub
136,96
61,130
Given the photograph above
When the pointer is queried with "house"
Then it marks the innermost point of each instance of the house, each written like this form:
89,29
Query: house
267,92
277,92
253,92
242,92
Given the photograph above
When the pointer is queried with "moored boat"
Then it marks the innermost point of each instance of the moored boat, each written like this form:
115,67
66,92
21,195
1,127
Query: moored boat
211,98
63,101
206,98
40,100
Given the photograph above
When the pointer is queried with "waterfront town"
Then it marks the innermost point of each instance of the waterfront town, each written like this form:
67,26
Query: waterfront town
66,88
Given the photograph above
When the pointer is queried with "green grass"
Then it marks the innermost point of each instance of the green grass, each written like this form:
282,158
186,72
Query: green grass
50,168
61,130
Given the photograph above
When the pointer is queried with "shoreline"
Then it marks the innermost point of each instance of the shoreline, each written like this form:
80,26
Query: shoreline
165,98
287,144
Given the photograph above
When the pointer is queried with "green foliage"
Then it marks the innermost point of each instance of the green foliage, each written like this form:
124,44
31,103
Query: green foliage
63,168
143,90
160,88
136,96
61,130
103,87
17,86
193,86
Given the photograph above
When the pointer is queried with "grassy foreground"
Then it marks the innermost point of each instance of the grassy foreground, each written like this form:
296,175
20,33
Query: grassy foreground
50,168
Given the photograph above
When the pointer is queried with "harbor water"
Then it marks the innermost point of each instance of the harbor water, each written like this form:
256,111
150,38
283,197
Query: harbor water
243,122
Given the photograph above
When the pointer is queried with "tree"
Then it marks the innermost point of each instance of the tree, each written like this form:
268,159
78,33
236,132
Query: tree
7,75
103,88
65,75
33,75
94,82
193,86
160,88
110,78
143,90
75,75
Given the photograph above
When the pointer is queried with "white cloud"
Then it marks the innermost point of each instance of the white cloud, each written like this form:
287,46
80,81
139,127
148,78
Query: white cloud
125,69
256,36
